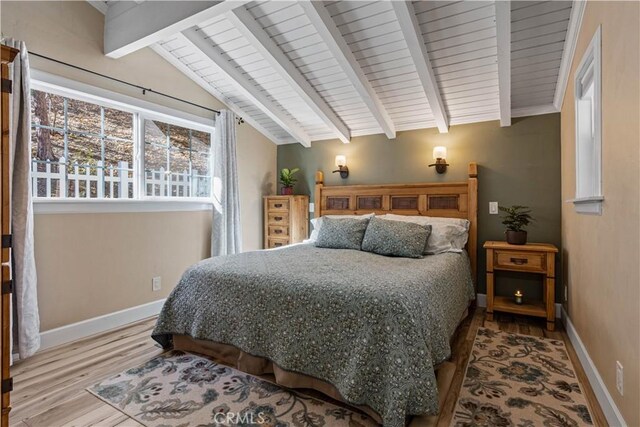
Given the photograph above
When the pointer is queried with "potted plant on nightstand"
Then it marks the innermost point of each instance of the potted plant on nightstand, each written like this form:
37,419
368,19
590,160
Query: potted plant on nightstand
516,218
287,180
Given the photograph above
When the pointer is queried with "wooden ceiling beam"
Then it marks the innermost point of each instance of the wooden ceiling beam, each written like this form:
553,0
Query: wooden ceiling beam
130,26
212,90
245,87
330,34
411,30
503,35
251,30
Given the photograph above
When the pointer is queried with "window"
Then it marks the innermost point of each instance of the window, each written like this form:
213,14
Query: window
588,111
80,150
177,160
89,149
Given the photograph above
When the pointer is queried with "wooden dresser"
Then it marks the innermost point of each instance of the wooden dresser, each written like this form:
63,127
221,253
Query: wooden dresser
286,220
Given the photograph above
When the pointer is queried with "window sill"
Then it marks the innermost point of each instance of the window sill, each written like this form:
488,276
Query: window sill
588,205
80,206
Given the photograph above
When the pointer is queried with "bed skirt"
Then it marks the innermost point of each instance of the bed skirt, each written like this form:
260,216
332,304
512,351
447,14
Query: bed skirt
259,366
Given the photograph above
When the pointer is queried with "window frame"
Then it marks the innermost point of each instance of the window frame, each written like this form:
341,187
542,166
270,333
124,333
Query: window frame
142,110
140,162
591,62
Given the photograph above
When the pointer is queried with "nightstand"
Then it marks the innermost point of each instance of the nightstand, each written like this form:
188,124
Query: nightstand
535,258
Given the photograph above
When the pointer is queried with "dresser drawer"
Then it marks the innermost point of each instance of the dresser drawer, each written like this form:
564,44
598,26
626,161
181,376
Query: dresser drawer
519,261
276,242
278,218
278,231
275,205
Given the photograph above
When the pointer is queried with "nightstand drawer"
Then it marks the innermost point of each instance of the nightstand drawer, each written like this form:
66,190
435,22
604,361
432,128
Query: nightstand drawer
278,231
277,243
281,205
519,261
278,218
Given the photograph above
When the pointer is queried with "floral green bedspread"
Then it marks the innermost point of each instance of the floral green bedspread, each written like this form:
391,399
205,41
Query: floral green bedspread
372,326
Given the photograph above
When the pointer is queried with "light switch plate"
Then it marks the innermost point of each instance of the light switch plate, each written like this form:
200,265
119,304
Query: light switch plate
312,207
493,208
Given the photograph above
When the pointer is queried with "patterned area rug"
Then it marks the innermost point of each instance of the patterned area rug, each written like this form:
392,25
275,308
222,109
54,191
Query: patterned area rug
182,389
521,381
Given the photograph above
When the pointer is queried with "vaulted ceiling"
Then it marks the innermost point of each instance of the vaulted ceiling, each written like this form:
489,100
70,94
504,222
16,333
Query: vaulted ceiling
306,71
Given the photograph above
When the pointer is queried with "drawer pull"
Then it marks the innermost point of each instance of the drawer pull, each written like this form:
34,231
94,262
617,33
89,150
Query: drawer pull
519,261
277,231
277,218
278,205
276,245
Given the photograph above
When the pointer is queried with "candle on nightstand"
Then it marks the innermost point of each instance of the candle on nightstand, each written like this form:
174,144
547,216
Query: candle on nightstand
518,296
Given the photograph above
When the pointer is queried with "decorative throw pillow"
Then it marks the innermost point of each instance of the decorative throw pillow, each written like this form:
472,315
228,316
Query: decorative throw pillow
395,238
447,234
316,223
342,233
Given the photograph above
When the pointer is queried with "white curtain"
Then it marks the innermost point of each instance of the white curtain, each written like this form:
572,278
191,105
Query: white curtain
225,232
25,319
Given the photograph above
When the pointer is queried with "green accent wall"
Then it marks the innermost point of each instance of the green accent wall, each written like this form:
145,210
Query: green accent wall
519,164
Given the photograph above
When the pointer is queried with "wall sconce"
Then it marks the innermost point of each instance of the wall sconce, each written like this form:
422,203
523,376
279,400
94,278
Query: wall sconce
439,155
341,164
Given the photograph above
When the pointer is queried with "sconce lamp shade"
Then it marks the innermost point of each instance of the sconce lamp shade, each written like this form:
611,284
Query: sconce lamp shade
439,153
341,164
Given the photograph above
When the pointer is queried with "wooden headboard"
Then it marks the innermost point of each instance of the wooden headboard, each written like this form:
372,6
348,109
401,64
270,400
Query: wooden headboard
446,199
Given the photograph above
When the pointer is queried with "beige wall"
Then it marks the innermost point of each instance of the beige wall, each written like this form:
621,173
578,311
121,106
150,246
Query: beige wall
94,264
601,253
519,164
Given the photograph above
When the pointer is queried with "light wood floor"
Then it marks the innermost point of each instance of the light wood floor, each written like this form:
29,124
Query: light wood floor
49,388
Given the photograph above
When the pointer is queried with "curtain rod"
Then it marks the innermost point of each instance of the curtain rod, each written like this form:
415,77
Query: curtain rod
144,89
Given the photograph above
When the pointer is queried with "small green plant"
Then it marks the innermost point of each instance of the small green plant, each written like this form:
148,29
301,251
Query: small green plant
516,217
286,177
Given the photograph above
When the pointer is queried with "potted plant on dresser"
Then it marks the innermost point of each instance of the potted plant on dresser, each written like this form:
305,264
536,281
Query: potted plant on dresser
287,180
516,218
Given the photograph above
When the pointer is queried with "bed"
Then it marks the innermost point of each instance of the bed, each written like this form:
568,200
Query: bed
359,327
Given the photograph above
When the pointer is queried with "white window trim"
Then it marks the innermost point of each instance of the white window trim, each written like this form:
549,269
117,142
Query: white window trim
591,58
79,206
41,80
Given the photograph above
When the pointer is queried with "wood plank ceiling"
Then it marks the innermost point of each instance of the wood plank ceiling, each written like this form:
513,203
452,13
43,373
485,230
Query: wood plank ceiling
303,71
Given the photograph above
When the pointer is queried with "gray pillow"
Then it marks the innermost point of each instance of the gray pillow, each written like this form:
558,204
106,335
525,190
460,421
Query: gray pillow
396,238
342,233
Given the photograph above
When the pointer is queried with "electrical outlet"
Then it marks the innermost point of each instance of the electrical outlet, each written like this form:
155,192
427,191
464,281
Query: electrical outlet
493,208
312,207
156,283
619,377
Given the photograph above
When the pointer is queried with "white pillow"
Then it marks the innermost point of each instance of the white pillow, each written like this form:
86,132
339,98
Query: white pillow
447,234
316,223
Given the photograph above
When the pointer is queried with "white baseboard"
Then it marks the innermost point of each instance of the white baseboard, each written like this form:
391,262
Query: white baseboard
96,325
481,300
611,411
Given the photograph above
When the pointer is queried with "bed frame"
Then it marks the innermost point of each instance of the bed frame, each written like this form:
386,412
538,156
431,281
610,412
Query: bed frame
457,200
446,199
